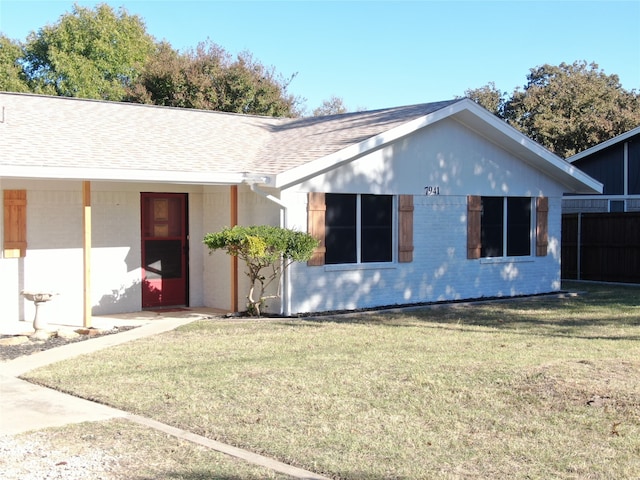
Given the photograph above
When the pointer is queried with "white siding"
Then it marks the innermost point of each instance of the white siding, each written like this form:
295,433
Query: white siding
440,269
460,163
216,266
446,155
54,259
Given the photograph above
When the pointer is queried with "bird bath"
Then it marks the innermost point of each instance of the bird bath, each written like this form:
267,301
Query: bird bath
38,298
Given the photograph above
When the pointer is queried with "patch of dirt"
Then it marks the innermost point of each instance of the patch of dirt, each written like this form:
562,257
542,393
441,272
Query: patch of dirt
31,346
597,384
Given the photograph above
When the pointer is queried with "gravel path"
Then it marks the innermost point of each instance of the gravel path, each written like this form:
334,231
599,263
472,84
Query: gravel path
32,458
31,346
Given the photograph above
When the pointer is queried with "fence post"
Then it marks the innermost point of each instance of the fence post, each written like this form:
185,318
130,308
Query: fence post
579,245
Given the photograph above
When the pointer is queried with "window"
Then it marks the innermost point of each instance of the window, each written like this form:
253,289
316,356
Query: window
358,228
616,206
502,226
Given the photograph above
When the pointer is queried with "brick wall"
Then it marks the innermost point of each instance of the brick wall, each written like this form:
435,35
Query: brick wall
440,270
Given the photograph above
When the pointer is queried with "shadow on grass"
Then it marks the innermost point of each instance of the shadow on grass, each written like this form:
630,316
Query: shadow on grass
598,312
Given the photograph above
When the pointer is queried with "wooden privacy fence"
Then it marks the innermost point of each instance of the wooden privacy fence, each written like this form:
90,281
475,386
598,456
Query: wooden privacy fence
601,246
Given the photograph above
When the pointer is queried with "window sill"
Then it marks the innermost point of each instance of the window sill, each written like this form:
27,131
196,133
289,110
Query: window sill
359,266
491,260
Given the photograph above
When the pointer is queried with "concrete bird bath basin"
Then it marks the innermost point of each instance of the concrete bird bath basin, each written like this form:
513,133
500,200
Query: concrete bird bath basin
39,321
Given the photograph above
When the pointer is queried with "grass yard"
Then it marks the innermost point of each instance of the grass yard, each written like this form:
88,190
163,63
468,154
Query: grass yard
532,388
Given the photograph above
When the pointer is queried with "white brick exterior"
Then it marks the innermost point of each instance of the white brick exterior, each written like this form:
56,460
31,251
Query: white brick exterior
54,259
459,162
455,147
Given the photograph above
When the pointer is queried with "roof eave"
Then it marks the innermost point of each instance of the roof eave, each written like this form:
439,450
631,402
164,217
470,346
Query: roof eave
131,175
601,146
503,134
331,161
476,118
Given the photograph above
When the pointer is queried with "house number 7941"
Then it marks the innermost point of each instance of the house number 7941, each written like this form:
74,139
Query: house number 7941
431,190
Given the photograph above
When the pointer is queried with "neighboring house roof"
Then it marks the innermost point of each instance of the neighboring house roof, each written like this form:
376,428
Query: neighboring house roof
601,146
56,137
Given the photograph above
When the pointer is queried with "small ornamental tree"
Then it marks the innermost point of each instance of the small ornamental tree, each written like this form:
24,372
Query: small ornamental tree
267,251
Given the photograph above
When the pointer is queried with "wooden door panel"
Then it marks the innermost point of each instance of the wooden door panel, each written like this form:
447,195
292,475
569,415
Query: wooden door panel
164,250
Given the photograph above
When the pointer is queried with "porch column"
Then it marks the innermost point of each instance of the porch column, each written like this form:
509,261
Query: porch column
234,260
86,247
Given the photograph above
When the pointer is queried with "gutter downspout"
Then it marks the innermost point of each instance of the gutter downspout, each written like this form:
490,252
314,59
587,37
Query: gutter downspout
285,308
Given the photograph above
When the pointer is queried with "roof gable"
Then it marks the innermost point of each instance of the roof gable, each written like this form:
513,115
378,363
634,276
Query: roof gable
55,137
464,111
606,144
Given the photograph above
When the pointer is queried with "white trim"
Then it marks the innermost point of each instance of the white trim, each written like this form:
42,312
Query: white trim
601,146
520,259
333,160
601,197
470,114
122,175
347,267
625,167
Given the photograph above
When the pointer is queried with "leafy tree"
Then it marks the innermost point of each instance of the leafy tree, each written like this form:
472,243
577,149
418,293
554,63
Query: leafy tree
12,75
569,108
108,55
488,97
181,80
332,106
208,78
190,80
566,108
88,53
250,87
263,248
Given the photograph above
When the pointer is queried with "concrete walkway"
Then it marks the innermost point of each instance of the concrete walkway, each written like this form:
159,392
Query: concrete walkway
27,407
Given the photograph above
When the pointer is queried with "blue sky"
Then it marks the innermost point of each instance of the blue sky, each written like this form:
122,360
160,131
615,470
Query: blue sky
385,53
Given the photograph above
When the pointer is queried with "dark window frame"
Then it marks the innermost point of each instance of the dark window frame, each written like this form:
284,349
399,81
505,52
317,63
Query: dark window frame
503,233
361,226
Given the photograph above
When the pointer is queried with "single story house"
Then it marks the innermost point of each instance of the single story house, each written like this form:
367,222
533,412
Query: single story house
616,164
106,204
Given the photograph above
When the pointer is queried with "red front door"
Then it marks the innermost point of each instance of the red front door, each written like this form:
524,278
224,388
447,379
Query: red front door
164,249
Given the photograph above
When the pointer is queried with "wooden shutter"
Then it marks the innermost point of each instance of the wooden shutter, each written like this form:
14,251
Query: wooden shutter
15,223
474,220
542,226
316,208
405,228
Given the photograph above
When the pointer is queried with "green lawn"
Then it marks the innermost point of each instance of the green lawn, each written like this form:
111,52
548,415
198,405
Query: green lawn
532,388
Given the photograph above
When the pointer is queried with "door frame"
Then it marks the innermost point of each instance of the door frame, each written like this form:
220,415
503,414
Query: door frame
146,234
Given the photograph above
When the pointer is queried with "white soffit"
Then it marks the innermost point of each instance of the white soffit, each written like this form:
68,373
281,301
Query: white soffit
125,175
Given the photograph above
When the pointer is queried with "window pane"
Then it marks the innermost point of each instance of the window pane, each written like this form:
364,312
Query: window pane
340,223
492,227
616,206
163,259
518,226
377,228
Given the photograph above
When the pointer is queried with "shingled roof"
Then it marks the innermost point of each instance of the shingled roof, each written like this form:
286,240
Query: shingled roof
64,134
70,138
297,141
